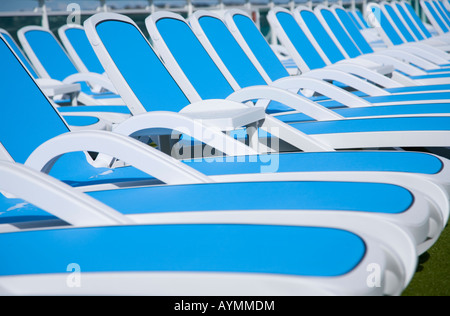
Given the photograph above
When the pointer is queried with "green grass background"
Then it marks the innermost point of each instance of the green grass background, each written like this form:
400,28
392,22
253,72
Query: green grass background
432,277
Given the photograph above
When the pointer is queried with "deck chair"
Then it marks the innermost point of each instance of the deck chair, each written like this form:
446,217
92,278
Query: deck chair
404,23
220,44
395,32
436,16
176,259
264,60
105,217
431,64
365,47
57,91
210,92
42,150
53,88
51,61
74,39
422,28
288,28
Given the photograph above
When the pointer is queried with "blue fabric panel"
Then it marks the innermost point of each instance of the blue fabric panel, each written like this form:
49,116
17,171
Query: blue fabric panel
93,108
408,21
298,38
361,17
260,48
419,88
229,51
350,14
397,22
259,196
417,20
432,76
442,14
17,210
387,27
27,119
443,108
285,250
330,161
140,66
444,11
82,46
436,17
341,34
376,125
323,39
193,59
355,34
51,54
81,120
20,54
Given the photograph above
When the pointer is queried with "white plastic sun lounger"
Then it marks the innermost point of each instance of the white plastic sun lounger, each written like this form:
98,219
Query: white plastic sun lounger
44,149
13,279
245,66
51,61
107,257
323,51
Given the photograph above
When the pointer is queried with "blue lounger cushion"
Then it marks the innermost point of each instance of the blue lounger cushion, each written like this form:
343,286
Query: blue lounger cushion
74,169
256,196
286,250
96,108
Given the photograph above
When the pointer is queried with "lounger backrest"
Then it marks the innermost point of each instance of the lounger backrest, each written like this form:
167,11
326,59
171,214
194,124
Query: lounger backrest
416,19
433,15
339,32
355,20
442,13
401,10
398,23
12,43
77,44
355,34
27,117
212,29
132,65
303,51
258,45
361,18
445,12
391,34
46,53
308,19
181,50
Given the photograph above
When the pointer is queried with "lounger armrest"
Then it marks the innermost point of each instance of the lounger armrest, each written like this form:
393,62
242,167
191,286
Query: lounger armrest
131,151
291,99
347,79
160,122
94,79
294,84
402,61
57,198
367,74
429,52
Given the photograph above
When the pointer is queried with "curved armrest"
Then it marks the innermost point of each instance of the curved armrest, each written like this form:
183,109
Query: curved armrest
57,198
93,78
145,125
395,57
347,79
322,87
288,98
137,154
367,74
